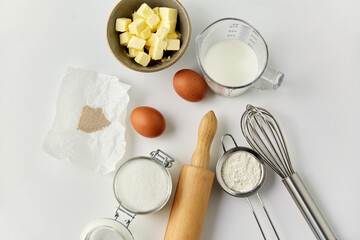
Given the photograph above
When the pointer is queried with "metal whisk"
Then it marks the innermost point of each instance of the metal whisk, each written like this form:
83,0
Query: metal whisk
264,135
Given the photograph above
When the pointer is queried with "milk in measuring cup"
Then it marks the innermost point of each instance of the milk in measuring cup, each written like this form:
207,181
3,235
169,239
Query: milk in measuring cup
231,63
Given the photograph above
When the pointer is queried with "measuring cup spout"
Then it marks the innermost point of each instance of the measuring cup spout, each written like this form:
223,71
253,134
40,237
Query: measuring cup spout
270,79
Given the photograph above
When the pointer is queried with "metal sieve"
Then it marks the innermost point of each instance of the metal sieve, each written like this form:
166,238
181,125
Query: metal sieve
247,194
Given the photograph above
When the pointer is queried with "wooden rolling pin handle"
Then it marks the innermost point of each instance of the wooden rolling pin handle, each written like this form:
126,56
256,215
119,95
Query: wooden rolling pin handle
206,133
194,187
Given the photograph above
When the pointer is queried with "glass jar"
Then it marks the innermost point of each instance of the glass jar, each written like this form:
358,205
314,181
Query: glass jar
131,183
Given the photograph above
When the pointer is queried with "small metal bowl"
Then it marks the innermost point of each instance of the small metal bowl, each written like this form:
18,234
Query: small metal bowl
225,156
125,8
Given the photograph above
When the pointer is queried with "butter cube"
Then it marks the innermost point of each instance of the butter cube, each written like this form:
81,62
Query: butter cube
162,32
171,25
160,43
125,38
145,11
150,41
137,26
136,43
135,16
153,21
133,52
156,10
173,44
142,58
122,24
174,35
168,14
145,34
156,53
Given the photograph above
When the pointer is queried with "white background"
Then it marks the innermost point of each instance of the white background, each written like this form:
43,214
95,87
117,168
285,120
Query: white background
316,45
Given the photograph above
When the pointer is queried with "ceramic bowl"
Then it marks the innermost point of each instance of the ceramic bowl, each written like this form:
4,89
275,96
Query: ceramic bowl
125,8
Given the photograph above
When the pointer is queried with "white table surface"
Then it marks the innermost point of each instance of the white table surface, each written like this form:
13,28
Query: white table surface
316,45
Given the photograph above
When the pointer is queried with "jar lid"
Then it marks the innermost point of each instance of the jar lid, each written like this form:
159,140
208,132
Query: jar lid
106,229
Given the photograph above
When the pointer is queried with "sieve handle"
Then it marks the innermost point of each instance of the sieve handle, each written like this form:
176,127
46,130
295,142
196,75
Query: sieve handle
223,138
308,208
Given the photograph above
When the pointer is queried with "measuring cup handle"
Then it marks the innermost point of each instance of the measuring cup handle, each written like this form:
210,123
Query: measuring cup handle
270,79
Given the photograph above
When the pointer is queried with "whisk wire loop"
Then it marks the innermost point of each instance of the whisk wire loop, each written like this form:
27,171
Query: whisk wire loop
260,147
287,163
269,135
263,134
280,149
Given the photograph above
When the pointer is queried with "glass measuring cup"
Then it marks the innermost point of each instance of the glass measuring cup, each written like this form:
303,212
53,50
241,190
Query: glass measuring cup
245,194
225,29
117,228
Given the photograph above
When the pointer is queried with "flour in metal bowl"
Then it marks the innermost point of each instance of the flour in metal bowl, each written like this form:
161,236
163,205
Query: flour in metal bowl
241,171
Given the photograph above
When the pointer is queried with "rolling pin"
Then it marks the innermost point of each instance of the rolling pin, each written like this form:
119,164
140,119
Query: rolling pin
194,187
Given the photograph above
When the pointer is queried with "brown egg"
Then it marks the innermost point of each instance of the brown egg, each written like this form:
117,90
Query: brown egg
189,85
148,121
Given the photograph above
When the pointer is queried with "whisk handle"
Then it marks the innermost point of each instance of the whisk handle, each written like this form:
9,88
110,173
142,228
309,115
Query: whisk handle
308,208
